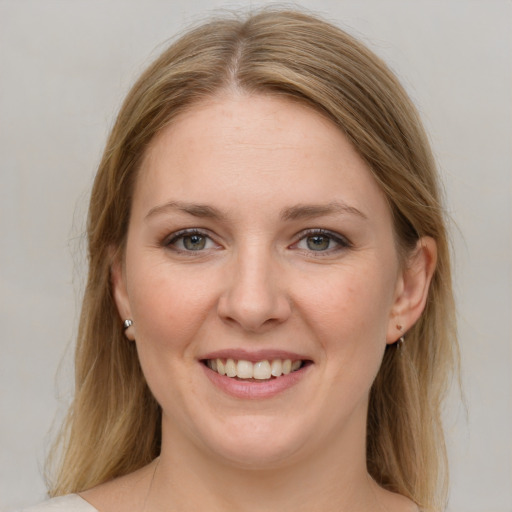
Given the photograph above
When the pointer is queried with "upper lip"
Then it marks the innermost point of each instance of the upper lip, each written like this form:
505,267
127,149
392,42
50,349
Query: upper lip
254,356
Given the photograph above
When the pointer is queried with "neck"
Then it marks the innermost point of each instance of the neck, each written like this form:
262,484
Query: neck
333,478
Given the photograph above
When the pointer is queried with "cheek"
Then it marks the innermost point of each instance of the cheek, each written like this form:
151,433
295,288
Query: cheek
349,316
169,306
169,309
351,304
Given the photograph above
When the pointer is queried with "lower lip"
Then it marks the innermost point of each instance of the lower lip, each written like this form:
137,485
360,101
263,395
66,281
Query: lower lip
254,389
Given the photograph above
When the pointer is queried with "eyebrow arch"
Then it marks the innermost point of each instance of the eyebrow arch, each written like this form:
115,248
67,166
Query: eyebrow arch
297,212
196,210
307,211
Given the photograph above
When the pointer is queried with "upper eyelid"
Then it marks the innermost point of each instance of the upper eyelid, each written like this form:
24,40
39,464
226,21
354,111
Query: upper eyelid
189,231
342,239
322,231
176,235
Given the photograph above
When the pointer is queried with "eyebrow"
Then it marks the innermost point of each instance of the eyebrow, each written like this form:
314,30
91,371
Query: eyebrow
297,212
196,210
308,211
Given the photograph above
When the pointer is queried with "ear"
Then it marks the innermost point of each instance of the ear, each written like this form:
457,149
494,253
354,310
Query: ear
119,291
412,288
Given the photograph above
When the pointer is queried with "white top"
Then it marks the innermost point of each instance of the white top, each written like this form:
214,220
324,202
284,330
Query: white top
67,503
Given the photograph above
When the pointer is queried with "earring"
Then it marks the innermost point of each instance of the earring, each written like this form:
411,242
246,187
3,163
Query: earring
400,340
127,323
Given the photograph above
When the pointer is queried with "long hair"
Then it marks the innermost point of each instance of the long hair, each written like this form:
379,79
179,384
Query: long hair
113,425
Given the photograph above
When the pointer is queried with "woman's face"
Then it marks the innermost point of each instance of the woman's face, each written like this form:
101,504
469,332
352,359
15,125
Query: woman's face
258,240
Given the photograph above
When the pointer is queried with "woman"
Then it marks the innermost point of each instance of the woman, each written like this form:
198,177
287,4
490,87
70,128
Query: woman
268,320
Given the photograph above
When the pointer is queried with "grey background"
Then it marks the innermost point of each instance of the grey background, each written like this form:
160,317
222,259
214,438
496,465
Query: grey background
64,69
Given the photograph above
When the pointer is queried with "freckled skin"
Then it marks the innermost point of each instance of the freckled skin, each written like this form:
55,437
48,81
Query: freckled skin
257,284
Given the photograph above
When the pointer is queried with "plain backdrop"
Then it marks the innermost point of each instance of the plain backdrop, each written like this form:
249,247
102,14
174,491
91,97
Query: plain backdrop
64,69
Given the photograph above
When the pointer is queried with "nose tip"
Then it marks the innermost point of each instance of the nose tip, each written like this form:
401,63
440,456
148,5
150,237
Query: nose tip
252,317
254,301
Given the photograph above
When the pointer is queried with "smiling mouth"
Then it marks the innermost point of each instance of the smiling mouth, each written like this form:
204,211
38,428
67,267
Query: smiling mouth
259,370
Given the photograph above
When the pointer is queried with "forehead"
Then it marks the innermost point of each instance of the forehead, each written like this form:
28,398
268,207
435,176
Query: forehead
238,149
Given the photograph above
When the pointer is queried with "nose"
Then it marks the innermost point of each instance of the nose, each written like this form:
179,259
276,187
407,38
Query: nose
254,299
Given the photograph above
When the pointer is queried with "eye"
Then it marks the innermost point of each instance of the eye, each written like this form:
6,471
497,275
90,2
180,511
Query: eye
190,241
320,240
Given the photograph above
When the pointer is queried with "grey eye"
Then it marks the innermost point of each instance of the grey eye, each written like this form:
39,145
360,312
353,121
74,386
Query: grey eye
322,241
189,241
194,242
318,242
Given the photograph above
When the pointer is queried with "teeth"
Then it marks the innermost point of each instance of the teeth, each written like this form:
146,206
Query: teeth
230,368
296,365
261,370
276,368
244,370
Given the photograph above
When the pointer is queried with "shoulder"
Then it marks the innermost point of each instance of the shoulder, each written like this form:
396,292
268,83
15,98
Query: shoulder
67,503
127,492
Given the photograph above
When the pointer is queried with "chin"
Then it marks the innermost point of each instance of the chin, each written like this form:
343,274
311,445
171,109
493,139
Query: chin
253,443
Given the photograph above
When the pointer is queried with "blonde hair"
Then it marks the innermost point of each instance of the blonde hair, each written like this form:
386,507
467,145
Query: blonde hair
113,425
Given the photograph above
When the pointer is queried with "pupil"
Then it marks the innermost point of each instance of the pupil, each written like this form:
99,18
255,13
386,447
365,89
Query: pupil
318,243
194,242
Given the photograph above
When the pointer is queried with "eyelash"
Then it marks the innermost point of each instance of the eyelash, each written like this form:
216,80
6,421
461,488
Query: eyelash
184,234
339,240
